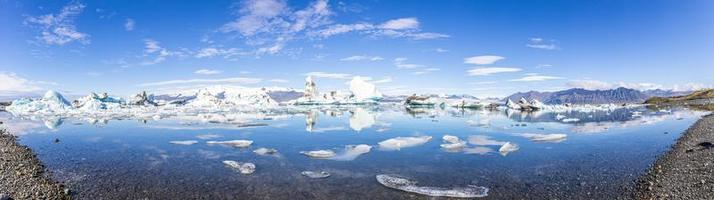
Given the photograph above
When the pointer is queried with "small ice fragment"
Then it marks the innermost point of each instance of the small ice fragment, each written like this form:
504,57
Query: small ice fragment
184,142
157,117
314,174
265,151
567,120
403,142
559,117
508,148
352,152
235,143
451,147
396,182
451,139
243,168
319,153
545,137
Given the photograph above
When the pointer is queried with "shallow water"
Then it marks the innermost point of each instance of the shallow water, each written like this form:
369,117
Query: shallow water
600,157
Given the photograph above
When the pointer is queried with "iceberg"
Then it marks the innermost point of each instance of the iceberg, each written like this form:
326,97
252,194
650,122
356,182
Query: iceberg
265,151
554,138
314,174
403,142
142,99
451,139
184,142
399,183
362,91
321,154
453,143
512,105
507,148
51,103
351,152
234,143
243,168
568,120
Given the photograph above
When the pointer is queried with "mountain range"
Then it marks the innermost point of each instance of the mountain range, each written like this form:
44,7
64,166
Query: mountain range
584,96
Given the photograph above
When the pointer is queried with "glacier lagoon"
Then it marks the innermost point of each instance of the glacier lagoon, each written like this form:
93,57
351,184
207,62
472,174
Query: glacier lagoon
508,153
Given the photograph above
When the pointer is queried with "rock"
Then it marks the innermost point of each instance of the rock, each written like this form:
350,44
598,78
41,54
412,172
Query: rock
314,174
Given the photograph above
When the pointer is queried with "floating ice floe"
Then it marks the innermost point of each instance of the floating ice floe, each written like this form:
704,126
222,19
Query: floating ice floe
568,120
243,168
555,138
234,143
315,174
265,151
322,154
207,136
399,183
453,143
184,142
403,142
352,152
559,117
507,148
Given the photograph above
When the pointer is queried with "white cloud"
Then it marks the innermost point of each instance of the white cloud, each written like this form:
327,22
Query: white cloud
129,24
228,53
484,71
329,75
483,83
278,80
59,28
387,79
160,54
540,43
400,24
440,50
12,84
234,80
359,58
401,63
425,71
483,60
543,65
207,72
536,77
589,84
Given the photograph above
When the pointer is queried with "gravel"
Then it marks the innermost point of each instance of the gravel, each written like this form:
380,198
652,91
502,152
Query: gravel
687,170
23,176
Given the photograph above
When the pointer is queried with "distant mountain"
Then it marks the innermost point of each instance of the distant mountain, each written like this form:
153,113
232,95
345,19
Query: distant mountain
665,93
583,96
701,95
285,96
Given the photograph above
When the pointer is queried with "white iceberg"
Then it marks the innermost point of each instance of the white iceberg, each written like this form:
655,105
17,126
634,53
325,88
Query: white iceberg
568,120
314,174
51,103
351,152
265,151
451,139
184,142
508,148
453,143
321,154
362,91
243,168
399,183
555,138
512,105
234,143
403,142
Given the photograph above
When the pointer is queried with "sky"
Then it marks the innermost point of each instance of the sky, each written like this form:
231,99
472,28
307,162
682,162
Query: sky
476,47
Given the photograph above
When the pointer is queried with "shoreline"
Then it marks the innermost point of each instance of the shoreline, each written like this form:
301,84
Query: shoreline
686,171
24,176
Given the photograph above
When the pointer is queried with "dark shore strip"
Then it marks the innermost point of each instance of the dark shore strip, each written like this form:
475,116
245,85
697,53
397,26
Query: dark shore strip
22,176
687,170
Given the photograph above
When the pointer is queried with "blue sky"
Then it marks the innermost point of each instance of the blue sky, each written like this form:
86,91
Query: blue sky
483,48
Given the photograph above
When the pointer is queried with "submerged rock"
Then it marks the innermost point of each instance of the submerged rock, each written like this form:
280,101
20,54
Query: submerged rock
243,168
399,183
314,174
234,143
184,142
507,148
403,142
319,154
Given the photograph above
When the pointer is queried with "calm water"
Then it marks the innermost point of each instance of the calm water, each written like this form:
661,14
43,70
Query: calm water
602,155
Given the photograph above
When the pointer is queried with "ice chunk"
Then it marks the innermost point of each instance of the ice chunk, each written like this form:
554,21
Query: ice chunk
399,183
507,148
453,147
362,90
265,151
314,174
451,139
235,143
207,136
55,97
243,168
352,152
323,154
184,142
568,120
559,117
555,138
403,142
512,105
